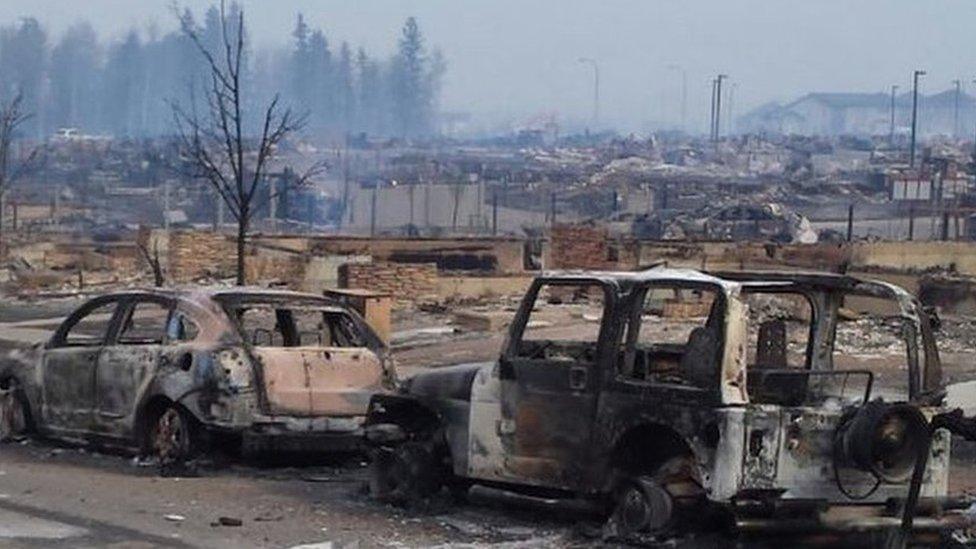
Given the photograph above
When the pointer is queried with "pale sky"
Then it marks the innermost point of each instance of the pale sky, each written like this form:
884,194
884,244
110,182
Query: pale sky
516,59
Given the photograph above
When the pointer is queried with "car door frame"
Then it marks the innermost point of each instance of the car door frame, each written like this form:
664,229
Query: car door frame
573,397
84,415
119,423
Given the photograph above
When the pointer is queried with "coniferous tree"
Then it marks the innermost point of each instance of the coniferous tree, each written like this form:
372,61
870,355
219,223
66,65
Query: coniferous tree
23,63
300,64
345,95
408,73
126,88
74,72
321,99
123,86
369,93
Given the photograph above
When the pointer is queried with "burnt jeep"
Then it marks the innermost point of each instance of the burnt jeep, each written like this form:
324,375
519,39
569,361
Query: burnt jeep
688,401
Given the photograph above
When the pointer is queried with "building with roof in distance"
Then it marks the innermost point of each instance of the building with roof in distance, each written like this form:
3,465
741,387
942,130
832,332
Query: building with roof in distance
863,114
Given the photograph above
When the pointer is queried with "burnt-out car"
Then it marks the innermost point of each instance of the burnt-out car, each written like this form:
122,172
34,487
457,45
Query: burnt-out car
169,370
691,401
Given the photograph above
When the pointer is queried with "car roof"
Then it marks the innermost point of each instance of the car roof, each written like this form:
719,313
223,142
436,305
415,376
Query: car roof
741,280
220,293
654,274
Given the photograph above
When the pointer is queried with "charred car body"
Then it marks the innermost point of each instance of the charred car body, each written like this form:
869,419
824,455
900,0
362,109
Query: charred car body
164,369
732,417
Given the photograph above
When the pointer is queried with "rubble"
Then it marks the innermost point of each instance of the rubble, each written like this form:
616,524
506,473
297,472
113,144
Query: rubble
737,221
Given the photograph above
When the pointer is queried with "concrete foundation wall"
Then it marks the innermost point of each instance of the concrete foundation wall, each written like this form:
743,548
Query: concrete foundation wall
917,256
461,287
498,255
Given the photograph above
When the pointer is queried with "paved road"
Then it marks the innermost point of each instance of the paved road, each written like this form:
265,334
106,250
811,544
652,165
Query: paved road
26,526
66,497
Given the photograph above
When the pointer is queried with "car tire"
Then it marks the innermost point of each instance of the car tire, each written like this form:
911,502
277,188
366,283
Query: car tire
662,500
15,418
404,474
172,436
642,506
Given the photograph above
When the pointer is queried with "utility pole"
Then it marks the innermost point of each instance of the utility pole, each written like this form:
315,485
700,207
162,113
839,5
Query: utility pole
730,98
410,188
552,209
494,213
372,210
596,90
166,206
711,119
718,105
915,75
850,222
273,204
974,139
684,94
891,127
955,111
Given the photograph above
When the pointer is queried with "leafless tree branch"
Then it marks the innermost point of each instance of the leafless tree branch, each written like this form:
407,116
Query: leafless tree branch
12,116
216,145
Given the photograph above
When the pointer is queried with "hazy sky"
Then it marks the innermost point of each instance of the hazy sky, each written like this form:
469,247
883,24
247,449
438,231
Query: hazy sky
515,59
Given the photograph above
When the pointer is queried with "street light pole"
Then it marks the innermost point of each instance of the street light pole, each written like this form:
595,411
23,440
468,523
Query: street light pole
891,127
596,89
684,94
915,75
955,111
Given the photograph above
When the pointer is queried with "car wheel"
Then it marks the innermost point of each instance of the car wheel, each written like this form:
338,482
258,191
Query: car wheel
643,506
172,436
404,474
15,419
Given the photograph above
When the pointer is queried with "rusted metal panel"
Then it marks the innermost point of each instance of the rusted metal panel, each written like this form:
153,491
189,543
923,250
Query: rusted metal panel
320,380
486,451
121,375
733,374
66,387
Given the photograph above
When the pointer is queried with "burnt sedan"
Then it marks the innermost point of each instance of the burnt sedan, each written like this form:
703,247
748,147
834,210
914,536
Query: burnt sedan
169,371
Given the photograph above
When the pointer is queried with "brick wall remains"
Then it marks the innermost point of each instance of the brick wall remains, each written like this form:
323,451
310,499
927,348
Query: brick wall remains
264,264
578,247
198,254
403,281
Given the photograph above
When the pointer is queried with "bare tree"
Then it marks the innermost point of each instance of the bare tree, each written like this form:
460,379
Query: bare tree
217,145
12,116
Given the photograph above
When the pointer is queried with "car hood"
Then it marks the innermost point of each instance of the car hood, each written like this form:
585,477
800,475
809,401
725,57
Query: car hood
450,382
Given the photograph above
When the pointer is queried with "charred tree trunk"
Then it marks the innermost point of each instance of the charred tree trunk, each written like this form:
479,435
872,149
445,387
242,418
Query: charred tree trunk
241,248
154,263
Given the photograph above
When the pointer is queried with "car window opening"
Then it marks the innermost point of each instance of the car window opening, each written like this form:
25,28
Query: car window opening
673,336
268,326
145,324
564,324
